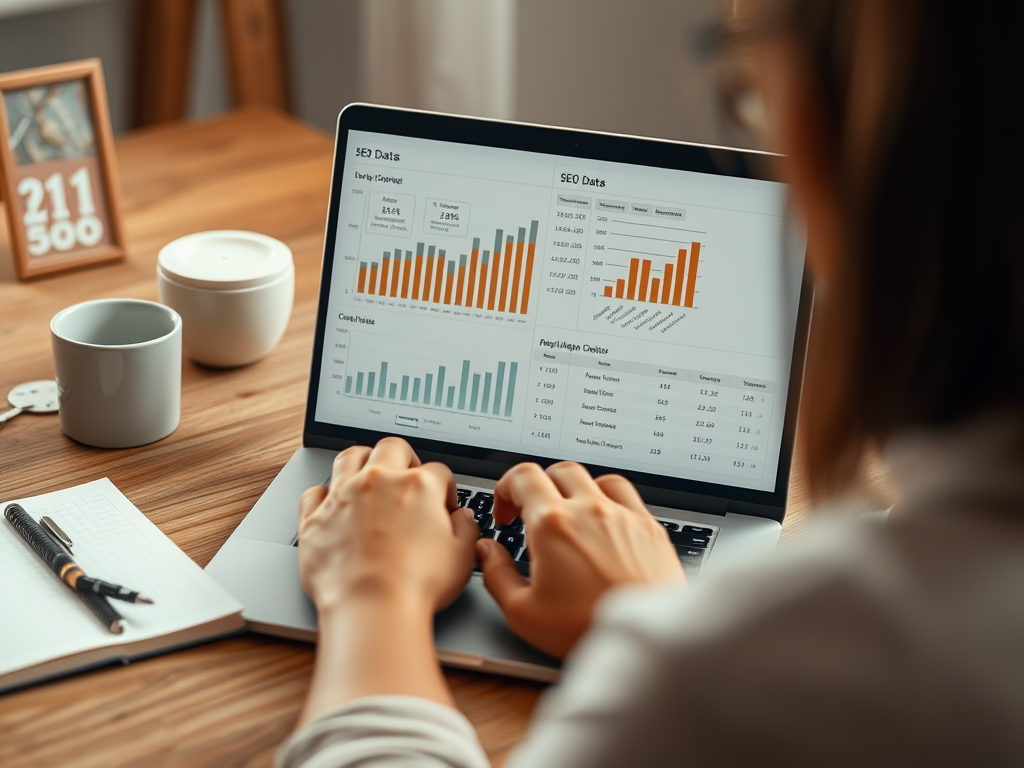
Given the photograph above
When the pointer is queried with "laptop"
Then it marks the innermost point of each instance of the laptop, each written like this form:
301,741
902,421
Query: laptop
498,292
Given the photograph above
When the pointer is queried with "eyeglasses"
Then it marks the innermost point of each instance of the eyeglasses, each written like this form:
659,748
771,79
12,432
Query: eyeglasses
726,47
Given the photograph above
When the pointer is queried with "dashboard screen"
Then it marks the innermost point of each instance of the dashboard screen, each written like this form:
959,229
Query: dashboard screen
620,315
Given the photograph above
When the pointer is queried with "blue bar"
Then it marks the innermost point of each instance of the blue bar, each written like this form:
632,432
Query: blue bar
485,400
464,385
405,388
370,377
426,388
440,386
475,393
451,396
359,383
416,389
392,390
499,383
382,383
511,388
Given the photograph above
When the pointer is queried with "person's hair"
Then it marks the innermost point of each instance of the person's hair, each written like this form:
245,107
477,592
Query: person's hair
924,325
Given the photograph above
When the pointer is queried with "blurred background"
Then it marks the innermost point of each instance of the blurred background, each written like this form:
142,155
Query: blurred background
628,66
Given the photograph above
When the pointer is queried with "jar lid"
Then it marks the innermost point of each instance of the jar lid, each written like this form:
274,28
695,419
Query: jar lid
225,260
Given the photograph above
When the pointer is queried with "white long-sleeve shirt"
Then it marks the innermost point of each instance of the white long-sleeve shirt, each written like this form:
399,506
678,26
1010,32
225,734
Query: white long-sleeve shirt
896,643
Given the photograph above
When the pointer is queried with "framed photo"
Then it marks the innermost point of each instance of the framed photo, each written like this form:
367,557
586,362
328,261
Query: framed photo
58,177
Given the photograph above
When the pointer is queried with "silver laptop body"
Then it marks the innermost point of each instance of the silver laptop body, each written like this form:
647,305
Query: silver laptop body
498,292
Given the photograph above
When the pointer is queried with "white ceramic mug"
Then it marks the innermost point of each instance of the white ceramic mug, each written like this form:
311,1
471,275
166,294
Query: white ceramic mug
118,371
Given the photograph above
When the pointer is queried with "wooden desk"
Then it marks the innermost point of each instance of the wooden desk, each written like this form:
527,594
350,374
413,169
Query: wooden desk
230,702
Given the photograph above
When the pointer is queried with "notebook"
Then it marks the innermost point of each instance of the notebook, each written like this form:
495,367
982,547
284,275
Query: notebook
46,631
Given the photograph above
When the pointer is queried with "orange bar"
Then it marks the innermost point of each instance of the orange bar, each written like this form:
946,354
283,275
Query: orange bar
513,302
383,291
373,276
448,287
645,275
620,287
474,257
406,274
528,277
506,268
495,268
634,266
360,288
608,291
666,286
428,274
460,288
394,274
691,275
677,287
655,285
439,275
417,275
481,292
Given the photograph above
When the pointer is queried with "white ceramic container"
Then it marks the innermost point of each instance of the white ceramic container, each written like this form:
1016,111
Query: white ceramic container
234,291
118,369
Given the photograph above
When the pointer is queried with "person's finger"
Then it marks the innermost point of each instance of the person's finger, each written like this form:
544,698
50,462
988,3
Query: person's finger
348,462
619,489
309,501
501,578
572,479
393,452
525,485
465,528
446,480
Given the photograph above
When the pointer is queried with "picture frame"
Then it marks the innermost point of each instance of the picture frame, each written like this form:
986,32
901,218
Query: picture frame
59,180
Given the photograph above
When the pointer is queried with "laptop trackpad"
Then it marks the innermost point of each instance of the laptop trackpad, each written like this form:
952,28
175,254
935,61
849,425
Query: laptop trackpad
474,625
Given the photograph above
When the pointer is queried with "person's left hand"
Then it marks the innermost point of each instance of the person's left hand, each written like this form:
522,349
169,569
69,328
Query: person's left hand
387,528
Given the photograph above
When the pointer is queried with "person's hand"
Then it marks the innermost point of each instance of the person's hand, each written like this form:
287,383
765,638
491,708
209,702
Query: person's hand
584,537
385,530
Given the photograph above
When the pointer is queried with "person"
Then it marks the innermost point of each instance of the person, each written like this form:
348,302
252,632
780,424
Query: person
888,643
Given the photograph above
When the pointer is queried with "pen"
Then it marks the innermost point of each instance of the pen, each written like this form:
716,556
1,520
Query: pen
103,610
61,563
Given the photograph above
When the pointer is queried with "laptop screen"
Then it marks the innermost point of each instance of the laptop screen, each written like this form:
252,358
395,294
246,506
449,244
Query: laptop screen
627,316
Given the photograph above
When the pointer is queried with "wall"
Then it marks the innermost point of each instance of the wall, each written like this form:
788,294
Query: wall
322,34
615,65
626,66
100,29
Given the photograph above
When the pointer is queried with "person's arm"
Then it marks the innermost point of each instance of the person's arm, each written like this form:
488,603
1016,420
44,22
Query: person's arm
379,554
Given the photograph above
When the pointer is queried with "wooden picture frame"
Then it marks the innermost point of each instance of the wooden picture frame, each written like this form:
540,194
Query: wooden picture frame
59,181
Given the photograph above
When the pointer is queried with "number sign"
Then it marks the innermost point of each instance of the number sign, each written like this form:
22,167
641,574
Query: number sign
58,178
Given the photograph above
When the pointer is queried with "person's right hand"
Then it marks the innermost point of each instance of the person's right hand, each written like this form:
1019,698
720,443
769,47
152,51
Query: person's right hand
584,537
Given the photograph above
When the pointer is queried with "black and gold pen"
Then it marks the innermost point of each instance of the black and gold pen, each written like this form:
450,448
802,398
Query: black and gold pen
92,591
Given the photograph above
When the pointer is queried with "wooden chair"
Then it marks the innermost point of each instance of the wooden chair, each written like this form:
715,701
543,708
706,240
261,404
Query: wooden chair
256,52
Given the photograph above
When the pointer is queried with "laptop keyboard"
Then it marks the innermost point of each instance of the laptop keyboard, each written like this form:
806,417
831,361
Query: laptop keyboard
692,542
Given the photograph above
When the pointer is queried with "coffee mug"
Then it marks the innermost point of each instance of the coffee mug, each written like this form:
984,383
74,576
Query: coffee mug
118,369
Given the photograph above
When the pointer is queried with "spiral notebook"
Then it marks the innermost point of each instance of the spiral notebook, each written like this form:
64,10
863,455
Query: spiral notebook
46,631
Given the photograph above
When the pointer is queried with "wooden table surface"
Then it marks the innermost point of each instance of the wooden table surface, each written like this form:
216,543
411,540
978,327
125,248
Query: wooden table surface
229,702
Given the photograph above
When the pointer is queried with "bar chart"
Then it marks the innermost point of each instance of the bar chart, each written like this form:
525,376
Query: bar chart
468,388
675,287
497,280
